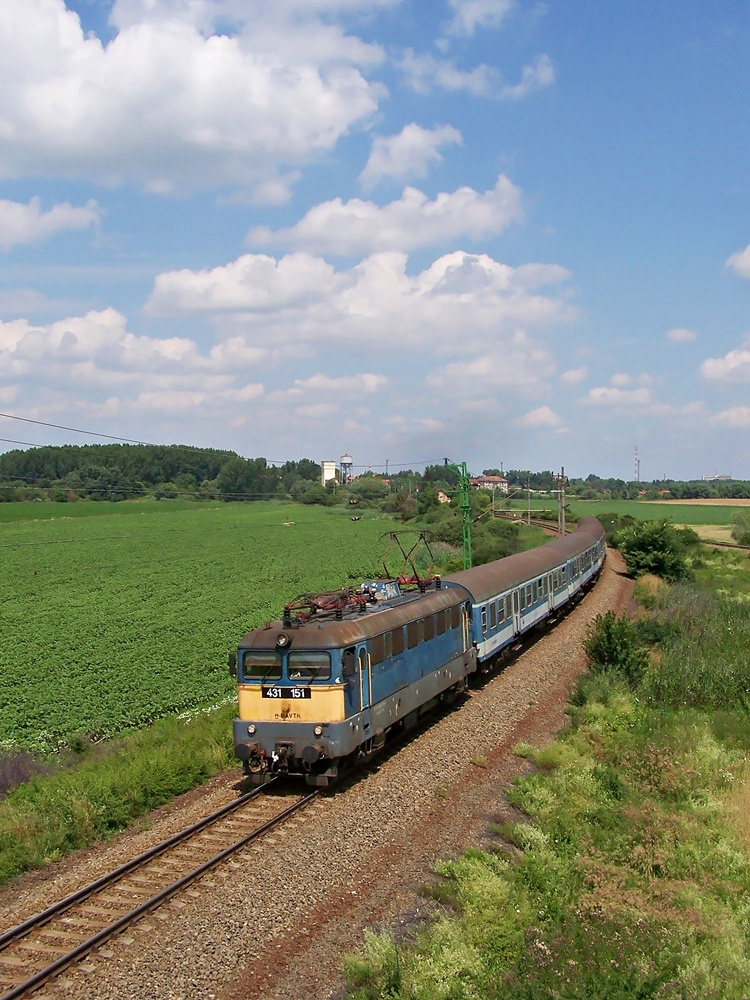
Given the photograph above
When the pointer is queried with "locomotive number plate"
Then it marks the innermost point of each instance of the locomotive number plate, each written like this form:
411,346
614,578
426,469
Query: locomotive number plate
280,692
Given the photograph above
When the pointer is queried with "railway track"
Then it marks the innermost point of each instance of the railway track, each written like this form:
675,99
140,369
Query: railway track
40,948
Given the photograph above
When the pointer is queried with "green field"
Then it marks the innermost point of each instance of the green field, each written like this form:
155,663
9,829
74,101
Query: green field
677,513
642,510
108,622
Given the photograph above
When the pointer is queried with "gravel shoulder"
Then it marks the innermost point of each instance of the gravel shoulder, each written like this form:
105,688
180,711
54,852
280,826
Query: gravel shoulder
273,922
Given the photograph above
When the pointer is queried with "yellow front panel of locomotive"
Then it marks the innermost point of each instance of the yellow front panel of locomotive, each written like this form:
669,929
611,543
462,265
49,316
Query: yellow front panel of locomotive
325,704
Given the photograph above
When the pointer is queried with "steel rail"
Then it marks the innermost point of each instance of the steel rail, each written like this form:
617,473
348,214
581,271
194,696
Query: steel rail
44,916
48,972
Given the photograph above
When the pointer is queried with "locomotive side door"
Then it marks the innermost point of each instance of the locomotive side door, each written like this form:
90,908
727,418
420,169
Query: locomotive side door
365,678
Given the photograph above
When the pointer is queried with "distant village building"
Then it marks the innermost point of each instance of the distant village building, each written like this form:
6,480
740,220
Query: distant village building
717,479
327,472
490,483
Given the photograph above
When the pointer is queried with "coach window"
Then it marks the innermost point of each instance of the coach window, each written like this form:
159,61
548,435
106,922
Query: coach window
529,599
429,627
484,621
397,641
522,594
261,665
493,615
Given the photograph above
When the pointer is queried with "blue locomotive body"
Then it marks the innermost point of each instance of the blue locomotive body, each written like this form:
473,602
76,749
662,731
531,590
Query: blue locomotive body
316,692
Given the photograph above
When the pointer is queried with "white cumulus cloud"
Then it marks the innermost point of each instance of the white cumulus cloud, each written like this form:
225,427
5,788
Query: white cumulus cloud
542,416
168,103
357,227
681,335
616,397
460,303
736,416
20,223
472,14
733,367
425,73
740,262
408,154
574,375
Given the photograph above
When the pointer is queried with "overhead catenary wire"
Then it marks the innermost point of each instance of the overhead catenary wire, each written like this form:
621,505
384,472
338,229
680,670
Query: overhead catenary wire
73,430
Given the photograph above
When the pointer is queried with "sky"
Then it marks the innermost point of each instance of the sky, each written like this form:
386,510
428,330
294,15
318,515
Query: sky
506,232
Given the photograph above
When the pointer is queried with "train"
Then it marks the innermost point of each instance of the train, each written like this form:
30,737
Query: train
330,681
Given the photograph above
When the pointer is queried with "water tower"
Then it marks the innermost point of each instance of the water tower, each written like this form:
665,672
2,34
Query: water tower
347,464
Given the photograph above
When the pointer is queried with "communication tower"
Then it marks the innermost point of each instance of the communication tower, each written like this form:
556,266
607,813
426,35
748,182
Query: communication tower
637,469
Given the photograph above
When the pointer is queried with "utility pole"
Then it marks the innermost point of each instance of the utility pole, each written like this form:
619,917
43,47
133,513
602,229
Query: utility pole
528,501
561,482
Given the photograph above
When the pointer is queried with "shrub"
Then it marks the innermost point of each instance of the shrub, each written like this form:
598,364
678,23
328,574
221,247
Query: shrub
655,547
612,644
741,527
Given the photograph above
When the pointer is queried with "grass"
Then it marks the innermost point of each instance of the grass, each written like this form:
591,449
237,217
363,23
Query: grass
642,510
50,815
631,875
44,510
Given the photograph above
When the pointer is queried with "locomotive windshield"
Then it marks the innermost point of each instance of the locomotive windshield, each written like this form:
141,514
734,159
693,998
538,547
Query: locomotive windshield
309,666
261,664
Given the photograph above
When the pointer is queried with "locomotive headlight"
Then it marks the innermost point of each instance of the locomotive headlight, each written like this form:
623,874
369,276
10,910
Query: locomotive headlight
318,730
283,640
251,729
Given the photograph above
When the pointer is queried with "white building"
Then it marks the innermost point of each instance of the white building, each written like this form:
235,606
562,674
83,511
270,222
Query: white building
327,472
490,483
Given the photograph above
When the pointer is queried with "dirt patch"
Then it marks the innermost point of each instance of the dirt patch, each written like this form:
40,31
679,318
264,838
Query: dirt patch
712,532
704,502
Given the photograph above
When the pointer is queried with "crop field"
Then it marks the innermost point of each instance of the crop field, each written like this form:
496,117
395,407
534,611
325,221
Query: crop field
108,622
674,510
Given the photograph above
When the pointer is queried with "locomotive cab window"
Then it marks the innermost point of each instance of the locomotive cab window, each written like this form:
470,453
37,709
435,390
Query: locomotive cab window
309,666
428,625
261,664
455,616
348,661
377,650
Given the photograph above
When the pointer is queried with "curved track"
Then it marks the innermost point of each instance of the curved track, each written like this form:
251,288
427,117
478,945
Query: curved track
41,947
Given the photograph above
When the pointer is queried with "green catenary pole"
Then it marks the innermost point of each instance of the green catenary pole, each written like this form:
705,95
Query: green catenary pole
464,486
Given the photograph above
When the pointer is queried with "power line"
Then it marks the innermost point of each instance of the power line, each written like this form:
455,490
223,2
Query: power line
28,443
62,427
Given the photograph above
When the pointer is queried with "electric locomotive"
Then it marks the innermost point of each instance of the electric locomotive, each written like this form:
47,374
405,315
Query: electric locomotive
328,684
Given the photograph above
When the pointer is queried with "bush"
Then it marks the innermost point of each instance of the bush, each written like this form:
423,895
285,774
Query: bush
655,547
612,644
741,527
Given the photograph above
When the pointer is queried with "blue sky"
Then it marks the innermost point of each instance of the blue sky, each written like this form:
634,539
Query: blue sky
506,232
